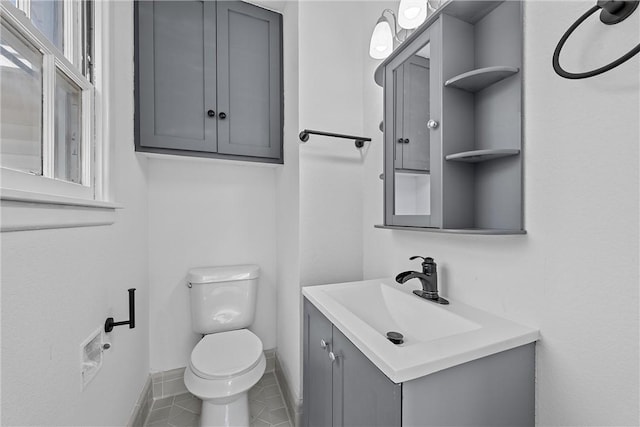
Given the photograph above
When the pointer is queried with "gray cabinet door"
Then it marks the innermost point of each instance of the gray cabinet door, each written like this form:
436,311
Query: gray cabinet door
317,379
415,150
176,74
362,394
411,91
413,176
249,80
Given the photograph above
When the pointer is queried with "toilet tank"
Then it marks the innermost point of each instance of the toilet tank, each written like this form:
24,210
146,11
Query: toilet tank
222,298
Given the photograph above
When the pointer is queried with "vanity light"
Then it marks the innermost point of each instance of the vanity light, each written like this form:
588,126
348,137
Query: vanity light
381,44
412,13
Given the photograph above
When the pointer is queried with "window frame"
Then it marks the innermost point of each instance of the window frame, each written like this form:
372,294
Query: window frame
53,61
28,210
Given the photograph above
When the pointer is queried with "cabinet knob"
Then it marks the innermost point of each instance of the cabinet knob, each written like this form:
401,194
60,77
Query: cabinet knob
222,115
400,140
406,141
211,113
323,344
332,356
432,124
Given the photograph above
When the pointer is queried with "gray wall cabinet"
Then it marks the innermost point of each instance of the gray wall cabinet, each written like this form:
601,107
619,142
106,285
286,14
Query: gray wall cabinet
475,101
209,80
497,390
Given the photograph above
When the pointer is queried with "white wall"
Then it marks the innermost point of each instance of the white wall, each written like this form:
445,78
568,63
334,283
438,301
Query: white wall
58,286
575,274
288,212
206,213
329,84
330,81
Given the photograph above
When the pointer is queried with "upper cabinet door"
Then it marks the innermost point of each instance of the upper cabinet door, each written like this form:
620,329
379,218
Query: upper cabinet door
413,93
176,75
249,80
415,150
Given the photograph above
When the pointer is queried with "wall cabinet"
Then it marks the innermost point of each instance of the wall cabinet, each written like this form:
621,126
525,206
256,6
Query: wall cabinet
209,80
470,116
342,387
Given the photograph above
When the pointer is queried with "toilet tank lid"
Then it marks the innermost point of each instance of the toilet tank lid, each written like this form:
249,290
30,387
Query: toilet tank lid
228,273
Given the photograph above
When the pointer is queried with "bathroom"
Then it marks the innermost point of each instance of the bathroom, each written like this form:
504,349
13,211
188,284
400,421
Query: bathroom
311,221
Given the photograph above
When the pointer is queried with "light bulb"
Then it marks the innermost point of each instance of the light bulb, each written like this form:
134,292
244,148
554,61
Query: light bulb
412,13
381,44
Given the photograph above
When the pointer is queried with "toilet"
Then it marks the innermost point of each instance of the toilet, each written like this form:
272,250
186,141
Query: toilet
229,359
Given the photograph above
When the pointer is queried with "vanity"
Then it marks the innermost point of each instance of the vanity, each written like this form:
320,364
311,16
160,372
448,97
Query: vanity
452,122
456,366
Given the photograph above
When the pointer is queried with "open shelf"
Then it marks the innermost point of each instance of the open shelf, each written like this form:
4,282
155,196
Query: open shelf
480,231
412,171
476,80
477,156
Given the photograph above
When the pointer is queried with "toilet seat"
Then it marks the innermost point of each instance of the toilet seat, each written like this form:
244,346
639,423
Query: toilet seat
226,354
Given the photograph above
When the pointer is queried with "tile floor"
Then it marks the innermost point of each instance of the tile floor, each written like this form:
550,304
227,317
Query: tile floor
266,407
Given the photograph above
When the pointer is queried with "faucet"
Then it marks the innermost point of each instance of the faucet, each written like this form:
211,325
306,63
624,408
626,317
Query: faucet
428,278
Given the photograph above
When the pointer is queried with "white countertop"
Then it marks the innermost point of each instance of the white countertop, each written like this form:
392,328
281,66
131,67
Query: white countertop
437,336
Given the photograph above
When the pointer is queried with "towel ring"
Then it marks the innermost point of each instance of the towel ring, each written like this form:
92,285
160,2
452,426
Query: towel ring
613,11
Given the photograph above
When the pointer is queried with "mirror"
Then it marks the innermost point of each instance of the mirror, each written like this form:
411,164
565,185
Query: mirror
412,177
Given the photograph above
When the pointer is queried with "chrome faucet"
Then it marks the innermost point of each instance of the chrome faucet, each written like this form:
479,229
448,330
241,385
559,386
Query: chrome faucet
428,278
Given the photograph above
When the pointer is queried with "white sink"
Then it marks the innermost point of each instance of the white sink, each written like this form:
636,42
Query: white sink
436,337
385,308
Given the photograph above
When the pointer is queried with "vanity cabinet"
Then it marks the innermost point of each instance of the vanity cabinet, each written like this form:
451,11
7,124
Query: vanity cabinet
341,386
209,80
472,182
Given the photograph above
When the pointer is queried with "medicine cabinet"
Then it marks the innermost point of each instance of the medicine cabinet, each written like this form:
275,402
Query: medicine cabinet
453,149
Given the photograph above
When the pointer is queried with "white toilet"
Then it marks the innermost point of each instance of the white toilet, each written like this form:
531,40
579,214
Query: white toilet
228,360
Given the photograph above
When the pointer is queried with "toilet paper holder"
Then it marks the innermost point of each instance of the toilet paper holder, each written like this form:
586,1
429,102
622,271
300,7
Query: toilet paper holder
109,324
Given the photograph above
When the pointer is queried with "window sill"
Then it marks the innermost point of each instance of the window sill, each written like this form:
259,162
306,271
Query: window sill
21,210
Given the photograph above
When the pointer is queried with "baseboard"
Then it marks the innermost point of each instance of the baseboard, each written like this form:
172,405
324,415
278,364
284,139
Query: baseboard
294,408
143,405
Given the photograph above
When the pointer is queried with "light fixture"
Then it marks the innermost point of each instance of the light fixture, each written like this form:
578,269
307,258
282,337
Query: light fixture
381,44
412,13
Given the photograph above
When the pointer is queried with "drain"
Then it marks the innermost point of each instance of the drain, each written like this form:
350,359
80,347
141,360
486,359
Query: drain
395,337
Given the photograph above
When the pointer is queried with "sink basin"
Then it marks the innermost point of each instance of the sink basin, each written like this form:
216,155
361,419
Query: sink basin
436,337
385,308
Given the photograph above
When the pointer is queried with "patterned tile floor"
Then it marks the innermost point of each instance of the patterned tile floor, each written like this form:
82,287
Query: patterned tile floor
266,407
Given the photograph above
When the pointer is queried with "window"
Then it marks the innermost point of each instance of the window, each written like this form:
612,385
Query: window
47,142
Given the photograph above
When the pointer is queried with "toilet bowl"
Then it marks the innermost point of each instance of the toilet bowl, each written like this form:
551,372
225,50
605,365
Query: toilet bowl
222,369
229,359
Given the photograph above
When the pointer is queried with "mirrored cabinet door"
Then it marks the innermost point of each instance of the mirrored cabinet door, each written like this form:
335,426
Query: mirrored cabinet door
412,89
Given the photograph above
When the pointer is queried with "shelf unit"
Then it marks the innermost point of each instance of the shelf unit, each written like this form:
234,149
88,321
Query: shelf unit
476,99
476,231
476,156
476,80
481,123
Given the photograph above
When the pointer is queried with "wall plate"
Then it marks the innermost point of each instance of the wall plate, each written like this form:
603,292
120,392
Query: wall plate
91,357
